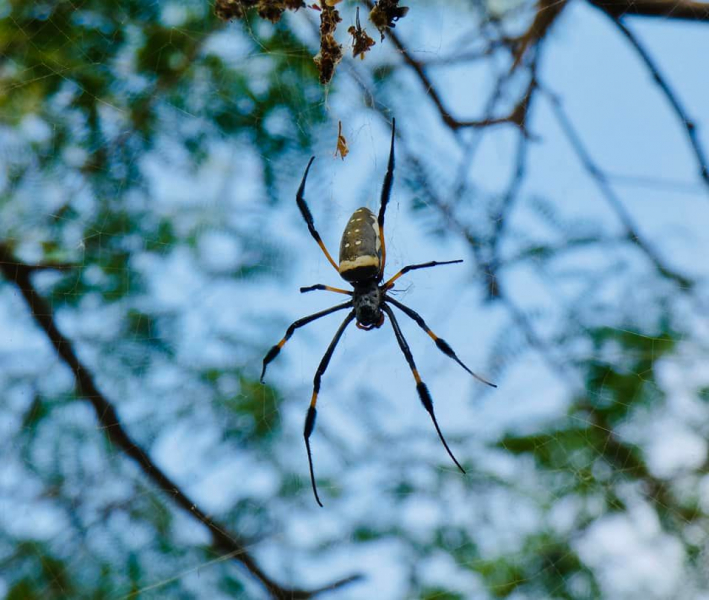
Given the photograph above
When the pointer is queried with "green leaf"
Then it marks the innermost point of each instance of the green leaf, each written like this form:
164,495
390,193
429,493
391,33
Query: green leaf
501,576
437,593
37,411
259,403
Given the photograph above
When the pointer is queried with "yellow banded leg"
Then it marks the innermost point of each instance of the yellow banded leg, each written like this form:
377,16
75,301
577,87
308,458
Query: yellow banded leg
424,394
390,284
326,288
327,254
386,194
305,211
273,352
312,412
440,343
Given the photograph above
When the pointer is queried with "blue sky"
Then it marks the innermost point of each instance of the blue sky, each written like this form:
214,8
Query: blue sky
371,428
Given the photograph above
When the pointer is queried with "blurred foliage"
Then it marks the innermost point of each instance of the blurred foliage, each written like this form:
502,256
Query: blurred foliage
47,576
94,96
584,458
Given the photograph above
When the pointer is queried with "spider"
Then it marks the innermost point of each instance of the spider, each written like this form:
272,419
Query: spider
362,261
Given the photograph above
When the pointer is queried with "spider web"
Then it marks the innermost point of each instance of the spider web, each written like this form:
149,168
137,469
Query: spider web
171,256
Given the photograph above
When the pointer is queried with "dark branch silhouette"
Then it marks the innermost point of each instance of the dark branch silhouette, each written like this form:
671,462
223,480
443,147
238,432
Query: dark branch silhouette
515,117
679,110
224,541
687,10
601,180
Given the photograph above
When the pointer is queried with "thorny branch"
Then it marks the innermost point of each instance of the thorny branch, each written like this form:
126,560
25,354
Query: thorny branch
224,541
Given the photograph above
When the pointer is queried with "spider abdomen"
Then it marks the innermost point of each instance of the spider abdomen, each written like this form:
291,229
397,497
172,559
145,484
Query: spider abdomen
361,247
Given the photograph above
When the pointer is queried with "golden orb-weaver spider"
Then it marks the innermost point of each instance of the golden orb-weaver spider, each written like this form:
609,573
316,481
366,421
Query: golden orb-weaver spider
362,261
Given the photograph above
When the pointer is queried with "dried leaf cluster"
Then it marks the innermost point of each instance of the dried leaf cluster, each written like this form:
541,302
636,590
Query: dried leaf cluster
361,42
342,148
383,16
330,51
270,10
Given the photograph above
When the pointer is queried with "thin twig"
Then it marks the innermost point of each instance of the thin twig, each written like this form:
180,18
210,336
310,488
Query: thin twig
548,12
229,543
513,189
689,125
431,91
503,215
599,177
535,341
472,144
518,316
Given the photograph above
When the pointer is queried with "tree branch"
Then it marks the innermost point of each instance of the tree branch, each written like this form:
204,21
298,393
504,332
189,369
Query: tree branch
492,265
515,116
670,9
520,319
547,13
681,113
224,541
599,177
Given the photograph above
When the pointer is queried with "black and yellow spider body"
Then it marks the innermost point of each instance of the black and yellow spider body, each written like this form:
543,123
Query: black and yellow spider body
362,263
361,248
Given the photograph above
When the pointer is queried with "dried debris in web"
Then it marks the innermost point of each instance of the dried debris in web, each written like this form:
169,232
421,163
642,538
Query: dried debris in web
361,42
342,148
383,16
330,51
271,10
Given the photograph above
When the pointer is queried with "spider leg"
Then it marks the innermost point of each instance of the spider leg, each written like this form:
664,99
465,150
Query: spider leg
273,352
421,388
386,193
327,288
390,284
441,343
305,211
310,417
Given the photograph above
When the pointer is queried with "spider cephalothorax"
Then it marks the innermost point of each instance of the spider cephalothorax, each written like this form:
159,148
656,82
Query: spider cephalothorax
362,262
367,301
